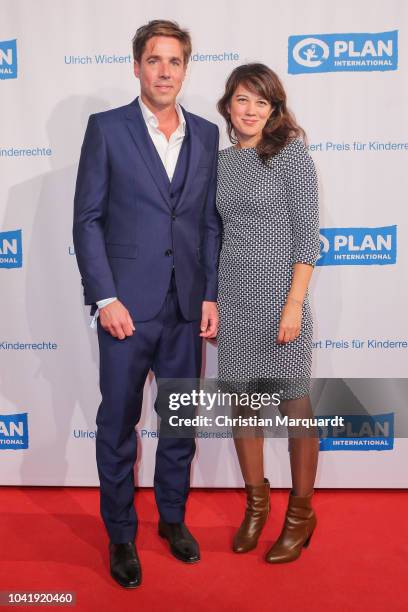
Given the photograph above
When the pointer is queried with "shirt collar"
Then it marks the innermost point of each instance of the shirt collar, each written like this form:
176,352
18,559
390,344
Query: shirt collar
151,119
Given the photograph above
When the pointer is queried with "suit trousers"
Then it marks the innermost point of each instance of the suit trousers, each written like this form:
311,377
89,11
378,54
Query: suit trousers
171,347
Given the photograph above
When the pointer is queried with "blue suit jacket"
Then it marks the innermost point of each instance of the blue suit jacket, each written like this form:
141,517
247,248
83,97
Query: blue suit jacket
127,233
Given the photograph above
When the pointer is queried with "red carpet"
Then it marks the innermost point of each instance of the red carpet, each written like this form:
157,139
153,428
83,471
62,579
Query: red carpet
53,539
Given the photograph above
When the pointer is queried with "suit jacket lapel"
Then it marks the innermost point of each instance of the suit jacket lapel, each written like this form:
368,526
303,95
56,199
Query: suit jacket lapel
144,143
194,158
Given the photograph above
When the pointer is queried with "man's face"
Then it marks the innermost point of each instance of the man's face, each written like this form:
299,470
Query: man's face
161,70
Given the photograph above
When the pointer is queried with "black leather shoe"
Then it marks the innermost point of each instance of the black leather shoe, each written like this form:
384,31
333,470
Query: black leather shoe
125,565
182,544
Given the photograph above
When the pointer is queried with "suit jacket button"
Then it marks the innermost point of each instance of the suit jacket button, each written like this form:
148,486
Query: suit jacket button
169,252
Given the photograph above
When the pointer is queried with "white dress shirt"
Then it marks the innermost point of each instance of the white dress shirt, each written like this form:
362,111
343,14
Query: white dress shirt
168,151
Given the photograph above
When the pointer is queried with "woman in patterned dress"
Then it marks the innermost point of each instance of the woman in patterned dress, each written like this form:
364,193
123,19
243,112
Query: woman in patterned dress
268,202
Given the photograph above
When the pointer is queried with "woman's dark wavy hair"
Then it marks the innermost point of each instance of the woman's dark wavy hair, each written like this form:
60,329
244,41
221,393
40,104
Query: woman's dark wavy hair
281,127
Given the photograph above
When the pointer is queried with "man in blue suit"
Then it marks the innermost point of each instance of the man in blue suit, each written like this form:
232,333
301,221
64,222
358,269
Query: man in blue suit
147,238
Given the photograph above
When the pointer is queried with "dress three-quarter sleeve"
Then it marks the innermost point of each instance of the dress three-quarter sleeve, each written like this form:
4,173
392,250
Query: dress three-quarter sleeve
303,199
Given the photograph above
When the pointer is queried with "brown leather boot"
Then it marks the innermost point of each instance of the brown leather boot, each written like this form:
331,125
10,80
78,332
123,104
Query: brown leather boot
300,522
256,513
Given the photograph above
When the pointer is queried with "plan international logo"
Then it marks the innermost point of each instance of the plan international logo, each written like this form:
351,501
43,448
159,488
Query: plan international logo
8,59
358,246
342,52
360,433
13,431
11,249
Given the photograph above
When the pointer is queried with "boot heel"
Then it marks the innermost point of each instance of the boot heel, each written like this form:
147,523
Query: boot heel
307,542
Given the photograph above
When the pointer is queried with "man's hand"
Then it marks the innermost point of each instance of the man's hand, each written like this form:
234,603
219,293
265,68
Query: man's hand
116,320
209,320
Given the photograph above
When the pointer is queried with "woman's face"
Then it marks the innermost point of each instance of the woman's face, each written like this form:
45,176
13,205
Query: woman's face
249,113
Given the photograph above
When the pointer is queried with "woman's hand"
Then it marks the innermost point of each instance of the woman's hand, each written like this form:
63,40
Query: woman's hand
290,322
